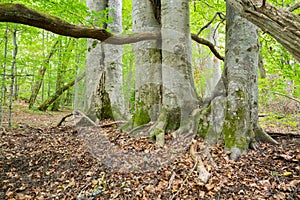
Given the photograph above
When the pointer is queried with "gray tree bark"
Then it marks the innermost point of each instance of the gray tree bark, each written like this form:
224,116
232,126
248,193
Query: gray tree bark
233,116
179,94
104,69
147,61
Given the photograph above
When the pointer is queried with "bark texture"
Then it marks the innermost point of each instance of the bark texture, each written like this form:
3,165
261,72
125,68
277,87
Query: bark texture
281,24
104,68
147,61
179,94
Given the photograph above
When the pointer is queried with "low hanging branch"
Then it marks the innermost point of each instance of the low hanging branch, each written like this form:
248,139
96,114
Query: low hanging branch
18,13
281,24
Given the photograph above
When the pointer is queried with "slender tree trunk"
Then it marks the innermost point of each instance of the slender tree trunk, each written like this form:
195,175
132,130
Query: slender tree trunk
64,52
44,105
40,77
13,66
3,86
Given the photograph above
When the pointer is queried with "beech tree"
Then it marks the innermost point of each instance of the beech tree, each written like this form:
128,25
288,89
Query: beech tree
147,60
181,109
104,65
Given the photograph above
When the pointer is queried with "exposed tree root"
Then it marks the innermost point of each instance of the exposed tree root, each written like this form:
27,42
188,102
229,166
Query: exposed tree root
141,128
262,136
157,131
204,175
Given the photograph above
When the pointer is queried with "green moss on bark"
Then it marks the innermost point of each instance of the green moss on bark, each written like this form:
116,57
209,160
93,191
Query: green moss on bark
141,116
232,128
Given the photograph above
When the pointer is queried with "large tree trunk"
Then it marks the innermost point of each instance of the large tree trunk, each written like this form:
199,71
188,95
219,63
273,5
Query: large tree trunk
241,62
179,94
232,117
104,69
147,61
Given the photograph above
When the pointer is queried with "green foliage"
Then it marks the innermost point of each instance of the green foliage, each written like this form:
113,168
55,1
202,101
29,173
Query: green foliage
283,71
35,45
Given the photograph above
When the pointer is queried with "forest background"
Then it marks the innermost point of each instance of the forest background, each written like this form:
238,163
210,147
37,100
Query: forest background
31,55
34,57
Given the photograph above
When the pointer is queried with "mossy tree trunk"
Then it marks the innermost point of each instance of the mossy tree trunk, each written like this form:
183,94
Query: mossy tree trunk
104,68
147,61
232,116
179,94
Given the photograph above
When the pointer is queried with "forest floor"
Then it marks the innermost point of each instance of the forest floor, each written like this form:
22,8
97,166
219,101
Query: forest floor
39,160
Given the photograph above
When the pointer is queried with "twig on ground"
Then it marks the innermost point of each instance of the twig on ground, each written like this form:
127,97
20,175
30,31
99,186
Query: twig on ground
171,180
63,119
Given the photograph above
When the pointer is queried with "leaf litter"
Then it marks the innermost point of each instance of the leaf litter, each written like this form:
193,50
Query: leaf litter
55,163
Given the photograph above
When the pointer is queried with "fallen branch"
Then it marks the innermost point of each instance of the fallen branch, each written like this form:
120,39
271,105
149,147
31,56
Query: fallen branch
278,134
86,117
63,119
287,96
111,124
77,112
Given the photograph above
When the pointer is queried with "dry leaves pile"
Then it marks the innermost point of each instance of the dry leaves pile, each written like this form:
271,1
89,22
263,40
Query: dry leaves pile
54,163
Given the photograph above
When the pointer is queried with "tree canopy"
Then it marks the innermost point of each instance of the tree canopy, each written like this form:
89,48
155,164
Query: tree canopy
281,24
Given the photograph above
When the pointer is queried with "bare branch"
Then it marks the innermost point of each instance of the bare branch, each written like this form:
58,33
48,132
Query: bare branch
210,22
209,44
294,7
